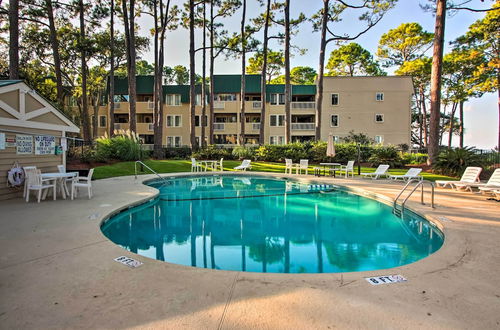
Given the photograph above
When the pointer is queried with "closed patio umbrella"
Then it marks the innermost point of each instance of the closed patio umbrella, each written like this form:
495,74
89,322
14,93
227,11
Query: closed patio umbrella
330,147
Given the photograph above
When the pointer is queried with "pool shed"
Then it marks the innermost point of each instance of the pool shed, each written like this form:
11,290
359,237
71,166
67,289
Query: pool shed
32,132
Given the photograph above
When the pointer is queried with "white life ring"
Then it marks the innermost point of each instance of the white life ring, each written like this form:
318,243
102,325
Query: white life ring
15,176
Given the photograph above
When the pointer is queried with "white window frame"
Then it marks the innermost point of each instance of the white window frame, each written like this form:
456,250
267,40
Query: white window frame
338,120
173,139
381,98
173,100
277,99
105,121
277,139
379,121
336,139
338,99
379,139
200,121
173,120
277,120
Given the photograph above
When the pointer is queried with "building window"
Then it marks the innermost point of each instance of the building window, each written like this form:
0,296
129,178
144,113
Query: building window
334,122
173,99
174,121
336,139
173,141
102,121
379,96
335,99
379,139
280,139
198,99
225,119
277,99
379,118
277,120
197,121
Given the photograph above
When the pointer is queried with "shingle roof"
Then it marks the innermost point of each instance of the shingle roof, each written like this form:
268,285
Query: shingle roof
9,82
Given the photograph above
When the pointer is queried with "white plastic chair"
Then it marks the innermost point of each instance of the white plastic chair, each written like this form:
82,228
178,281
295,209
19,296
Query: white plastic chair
412,173
348,168
244,165
288,166
303,166
471,175
492,184
82,182
220,165
27,171
195,166
380,171
35,182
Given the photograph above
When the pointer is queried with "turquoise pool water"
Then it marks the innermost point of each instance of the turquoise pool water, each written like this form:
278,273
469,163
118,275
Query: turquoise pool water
261,224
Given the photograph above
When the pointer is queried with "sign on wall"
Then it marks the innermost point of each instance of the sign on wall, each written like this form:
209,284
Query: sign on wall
24,144
10,142
2,141
45,145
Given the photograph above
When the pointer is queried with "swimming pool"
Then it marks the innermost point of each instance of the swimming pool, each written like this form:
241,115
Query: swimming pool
264,224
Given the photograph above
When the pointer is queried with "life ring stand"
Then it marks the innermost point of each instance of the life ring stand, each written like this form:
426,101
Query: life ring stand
15,176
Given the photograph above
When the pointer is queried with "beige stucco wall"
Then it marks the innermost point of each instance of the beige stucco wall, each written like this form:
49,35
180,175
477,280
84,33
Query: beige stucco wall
358,105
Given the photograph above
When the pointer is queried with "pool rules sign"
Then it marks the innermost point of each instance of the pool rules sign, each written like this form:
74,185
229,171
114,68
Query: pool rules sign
45,145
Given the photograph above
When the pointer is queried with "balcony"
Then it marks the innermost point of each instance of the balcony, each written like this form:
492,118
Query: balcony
256,104
219,126
303,105
122,126
303,126
249,127
219,105
144,128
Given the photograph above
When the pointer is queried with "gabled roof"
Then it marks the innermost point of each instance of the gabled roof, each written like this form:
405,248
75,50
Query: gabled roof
22,106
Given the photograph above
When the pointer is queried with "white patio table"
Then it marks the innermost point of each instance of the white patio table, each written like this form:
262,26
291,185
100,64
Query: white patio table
208,164
61,181
332,167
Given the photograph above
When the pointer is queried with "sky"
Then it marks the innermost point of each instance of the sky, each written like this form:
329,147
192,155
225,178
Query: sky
481,114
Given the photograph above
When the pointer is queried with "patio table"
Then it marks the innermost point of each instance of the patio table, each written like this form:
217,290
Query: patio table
334,167
208,164
60,181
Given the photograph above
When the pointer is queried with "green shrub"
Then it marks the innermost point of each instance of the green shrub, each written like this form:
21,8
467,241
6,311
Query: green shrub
125,147
212,152
241,152
414,159
270,153
177,153
385,155
296,151
454,161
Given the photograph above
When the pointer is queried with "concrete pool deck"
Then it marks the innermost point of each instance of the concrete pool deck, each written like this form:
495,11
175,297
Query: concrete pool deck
57,271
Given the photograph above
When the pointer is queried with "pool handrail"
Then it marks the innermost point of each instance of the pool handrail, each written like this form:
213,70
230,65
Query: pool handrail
149,168
420,183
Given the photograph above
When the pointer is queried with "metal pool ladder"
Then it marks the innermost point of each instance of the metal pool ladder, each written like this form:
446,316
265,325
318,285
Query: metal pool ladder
149,168
420,183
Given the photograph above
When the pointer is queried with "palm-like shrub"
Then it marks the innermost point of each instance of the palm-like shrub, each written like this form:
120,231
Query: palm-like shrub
124,146
386,155
454,161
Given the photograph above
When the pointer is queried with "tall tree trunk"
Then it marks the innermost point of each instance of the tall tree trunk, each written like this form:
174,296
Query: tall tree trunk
111,121
461,124
83,58
132,83
498,93
158,118
212,60
452,118
13,39
288,93
420,129
204,75
243,77
157,78
192,67
54,42
262,138
424,119
436,72
319,92
95,106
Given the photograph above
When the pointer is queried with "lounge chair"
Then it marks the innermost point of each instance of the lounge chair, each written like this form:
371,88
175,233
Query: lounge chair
288,166
82,182
348,168
412,173
244,165
380,171
492,184
471,175
302,166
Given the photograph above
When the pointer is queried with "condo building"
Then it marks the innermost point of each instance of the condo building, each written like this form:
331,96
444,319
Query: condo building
377,106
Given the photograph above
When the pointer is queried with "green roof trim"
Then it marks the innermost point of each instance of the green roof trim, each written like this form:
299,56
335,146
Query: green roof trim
231,83
144,85
9,82
183,90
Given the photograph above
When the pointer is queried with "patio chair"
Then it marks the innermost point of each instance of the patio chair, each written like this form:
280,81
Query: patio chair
27,171
380,171
195,166
412,173
471,175
82,182
303,166
288,166
244,165
35,182
492,184
219,166
348,168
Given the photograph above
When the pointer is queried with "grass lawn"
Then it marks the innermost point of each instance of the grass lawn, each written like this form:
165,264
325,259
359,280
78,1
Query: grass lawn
173,166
